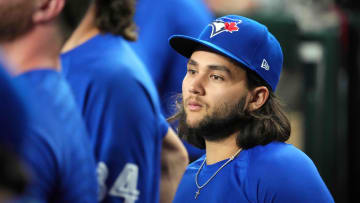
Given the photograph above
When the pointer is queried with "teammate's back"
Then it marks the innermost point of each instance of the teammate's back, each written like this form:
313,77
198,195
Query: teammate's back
56,147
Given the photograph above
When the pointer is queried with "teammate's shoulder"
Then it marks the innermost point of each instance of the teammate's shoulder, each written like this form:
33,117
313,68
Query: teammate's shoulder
119,59
102,55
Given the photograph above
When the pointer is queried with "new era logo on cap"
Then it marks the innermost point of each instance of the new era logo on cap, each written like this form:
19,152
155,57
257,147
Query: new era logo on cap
265,65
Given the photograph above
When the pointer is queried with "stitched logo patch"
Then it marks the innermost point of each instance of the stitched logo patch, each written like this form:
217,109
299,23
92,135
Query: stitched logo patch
222,25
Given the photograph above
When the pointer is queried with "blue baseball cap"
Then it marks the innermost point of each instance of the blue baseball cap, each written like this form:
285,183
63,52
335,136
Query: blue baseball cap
240,39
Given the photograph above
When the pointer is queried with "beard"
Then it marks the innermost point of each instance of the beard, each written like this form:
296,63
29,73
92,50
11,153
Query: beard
226,120
16,18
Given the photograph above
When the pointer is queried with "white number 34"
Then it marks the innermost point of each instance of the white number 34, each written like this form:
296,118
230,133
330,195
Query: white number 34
124,185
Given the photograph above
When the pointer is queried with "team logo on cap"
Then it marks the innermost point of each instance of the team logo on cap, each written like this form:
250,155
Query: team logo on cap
224,25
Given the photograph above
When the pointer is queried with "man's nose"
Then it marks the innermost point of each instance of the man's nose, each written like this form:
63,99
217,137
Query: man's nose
197,86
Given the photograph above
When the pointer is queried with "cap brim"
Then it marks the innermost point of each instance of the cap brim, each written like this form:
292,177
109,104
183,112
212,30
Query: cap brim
186,45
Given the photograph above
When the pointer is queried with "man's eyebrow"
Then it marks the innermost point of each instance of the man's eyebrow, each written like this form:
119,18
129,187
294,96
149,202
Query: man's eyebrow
219,67
192,62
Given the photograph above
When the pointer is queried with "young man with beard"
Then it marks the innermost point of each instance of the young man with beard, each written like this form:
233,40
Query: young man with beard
229,108
120,105
56,147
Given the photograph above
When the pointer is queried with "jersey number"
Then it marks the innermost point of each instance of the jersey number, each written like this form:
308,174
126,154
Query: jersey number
124,185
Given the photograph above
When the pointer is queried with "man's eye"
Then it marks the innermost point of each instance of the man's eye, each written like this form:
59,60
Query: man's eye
216,77
190,71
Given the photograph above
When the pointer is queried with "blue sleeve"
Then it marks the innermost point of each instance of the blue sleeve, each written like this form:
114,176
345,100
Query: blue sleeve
290,177
153,100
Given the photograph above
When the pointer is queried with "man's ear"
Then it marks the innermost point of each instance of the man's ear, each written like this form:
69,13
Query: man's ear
47,10
258,97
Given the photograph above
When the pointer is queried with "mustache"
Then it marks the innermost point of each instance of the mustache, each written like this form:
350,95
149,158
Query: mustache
196,99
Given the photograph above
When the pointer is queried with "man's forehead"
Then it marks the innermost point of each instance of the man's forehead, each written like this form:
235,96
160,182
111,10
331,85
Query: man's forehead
211,57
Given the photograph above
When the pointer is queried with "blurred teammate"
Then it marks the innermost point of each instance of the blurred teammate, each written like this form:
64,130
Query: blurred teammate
229,108
157,21
121,108
56,146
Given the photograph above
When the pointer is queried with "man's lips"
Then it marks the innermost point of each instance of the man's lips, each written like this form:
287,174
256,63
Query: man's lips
194,106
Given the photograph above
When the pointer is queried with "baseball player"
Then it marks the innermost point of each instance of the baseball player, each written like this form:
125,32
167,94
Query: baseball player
56,146
121,108
229,108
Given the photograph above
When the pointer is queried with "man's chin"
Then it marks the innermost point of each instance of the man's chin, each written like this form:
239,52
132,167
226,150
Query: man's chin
192,125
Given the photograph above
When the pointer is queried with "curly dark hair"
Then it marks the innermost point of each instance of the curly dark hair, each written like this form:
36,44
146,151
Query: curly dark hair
259,127
117,17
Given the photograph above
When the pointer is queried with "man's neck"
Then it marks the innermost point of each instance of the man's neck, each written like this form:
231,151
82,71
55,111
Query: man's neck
220,150
37,49
86,30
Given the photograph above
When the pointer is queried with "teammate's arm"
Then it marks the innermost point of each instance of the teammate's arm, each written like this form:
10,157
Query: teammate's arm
174,159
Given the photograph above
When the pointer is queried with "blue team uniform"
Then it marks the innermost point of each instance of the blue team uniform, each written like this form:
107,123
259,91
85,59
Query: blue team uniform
276,172
56,147
121,108
157,21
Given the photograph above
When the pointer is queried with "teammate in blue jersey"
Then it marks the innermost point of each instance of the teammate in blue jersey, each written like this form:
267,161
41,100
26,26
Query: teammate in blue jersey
13,118
229,108
121,108
56,146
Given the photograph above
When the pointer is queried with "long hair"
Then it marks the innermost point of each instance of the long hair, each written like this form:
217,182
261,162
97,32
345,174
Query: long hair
266,124
262,126
116,17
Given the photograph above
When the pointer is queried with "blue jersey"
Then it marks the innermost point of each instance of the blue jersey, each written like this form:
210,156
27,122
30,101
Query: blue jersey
121,108
56,147
276,172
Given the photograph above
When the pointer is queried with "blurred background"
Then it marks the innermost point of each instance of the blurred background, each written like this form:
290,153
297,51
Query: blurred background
320,84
